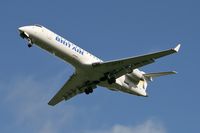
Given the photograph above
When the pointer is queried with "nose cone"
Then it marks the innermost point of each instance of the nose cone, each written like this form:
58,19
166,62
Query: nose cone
26,29
22,29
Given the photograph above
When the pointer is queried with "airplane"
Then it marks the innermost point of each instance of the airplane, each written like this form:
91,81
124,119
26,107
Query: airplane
90,71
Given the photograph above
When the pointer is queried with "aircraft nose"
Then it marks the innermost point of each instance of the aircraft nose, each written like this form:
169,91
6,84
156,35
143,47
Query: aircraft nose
21,29
24,31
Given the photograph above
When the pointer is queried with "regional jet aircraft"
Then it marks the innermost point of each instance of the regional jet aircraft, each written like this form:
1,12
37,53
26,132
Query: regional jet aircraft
90,71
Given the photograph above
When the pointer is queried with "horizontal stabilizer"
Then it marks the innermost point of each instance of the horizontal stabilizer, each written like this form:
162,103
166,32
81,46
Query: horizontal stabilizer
150,76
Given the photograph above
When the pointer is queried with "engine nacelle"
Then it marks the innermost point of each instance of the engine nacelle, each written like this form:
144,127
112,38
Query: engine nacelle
135,76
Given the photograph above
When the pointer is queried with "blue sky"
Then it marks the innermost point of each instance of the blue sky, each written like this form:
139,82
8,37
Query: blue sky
111,30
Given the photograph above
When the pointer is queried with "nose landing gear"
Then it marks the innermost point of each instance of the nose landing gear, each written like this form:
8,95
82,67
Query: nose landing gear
30,44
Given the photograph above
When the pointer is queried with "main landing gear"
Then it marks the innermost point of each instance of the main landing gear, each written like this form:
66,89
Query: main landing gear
111,79
88,90
90,86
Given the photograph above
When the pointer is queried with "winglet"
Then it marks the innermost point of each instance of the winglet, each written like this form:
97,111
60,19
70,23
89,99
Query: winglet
176,49
174,72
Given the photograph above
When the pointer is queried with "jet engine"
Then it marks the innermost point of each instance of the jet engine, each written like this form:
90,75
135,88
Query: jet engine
136,76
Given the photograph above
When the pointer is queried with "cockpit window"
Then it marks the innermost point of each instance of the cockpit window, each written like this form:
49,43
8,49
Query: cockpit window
38,25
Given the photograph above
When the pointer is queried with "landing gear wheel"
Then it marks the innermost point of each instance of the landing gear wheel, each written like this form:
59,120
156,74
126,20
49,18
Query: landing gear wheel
88,90
29,45
111,80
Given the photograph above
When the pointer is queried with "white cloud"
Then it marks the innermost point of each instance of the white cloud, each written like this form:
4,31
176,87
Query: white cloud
26,100
47,128
148,126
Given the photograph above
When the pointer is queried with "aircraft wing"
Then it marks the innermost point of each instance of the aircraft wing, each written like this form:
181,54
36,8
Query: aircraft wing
119,67
73,87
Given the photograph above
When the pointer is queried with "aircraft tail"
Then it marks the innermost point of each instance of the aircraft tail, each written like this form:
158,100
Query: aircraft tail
150,76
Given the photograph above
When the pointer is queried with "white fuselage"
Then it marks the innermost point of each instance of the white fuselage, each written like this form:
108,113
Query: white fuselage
81,59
